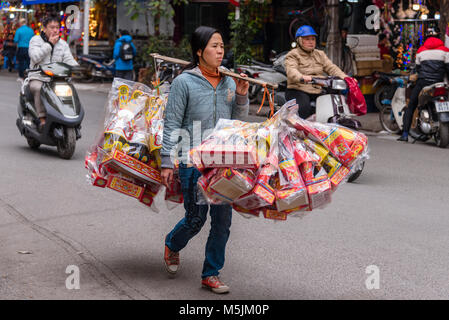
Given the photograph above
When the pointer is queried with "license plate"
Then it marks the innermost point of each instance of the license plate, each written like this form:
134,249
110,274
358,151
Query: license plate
442,106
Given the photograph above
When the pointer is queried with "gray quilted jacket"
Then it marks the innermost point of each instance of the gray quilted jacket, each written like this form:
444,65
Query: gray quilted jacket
41,52
193,101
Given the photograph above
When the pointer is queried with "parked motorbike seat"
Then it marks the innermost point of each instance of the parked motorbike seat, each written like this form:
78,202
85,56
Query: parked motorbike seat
261,64
96,57
425,94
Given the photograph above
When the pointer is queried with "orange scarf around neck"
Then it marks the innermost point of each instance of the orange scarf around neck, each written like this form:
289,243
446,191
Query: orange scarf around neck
213,77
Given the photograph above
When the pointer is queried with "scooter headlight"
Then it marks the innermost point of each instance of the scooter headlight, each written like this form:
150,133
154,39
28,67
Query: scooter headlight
63,90
339,85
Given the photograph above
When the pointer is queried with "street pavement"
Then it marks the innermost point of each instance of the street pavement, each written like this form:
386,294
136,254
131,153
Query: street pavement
395,217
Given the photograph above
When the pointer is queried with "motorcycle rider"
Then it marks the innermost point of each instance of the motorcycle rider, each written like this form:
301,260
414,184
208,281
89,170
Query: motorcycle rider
302,63
45,48
432,64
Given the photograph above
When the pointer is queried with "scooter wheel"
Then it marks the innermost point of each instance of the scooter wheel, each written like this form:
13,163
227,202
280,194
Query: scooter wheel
66,147
356,174
385,92
442,136
33,143
388,121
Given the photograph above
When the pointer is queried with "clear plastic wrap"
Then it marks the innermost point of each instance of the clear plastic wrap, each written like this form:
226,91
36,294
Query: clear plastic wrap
125,156
283,167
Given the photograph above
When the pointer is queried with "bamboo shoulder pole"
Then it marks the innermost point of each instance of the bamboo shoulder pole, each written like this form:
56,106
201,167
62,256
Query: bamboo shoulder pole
222,71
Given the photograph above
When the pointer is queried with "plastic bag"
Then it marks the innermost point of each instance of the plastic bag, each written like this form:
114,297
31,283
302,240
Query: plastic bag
125,156
298,164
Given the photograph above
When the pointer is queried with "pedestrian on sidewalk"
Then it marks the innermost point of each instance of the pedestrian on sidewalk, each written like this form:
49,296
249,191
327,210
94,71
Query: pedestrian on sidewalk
22,39
200,93
124,53
9,51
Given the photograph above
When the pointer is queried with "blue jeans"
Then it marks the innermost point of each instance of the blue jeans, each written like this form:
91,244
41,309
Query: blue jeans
195,217
23,61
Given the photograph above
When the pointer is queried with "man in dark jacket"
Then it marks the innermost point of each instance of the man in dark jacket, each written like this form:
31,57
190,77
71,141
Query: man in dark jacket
432,64
9,51
124,53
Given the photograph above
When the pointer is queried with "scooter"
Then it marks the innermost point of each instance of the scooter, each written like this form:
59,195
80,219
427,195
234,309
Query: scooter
331,107
97,68
431,117
168,71
62,106
272,74
385,86
392,112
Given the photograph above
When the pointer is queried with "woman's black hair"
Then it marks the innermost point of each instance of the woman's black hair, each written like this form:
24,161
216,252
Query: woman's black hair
200,39
52,17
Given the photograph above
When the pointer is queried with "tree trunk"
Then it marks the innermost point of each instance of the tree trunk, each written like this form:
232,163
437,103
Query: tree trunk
444,17
333,43
157,23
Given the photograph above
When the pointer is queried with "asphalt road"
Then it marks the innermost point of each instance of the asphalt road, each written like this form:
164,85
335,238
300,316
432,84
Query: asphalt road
394,217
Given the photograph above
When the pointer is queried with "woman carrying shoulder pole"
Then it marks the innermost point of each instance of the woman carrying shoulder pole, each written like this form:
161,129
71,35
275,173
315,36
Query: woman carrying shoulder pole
200,95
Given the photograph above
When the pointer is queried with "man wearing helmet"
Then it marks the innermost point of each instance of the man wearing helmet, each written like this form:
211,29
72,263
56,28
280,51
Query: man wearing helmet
302,63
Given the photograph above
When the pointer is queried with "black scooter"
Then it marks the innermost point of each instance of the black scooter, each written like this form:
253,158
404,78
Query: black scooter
63,108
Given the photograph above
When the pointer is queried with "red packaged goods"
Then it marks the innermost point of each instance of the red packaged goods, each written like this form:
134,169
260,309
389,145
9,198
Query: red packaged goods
229,184
126,150
335,170
261,196
273,214
245,210
287,163
290,171
266,173
300,153
203,185
174,192
319,194
317,148
291,212
98,180
129,165
225,156
285,166
125,187
149,193
306,169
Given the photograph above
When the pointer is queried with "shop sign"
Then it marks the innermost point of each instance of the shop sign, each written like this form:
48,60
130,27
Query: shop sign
31,2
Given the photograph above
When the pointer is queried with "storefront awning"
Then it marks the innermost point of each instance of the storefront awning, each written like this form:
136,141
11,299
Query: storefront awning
31,2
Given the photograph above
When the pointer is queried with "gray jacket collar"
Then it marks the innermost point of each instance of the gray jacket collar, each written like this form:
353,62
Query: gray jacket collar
197,72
